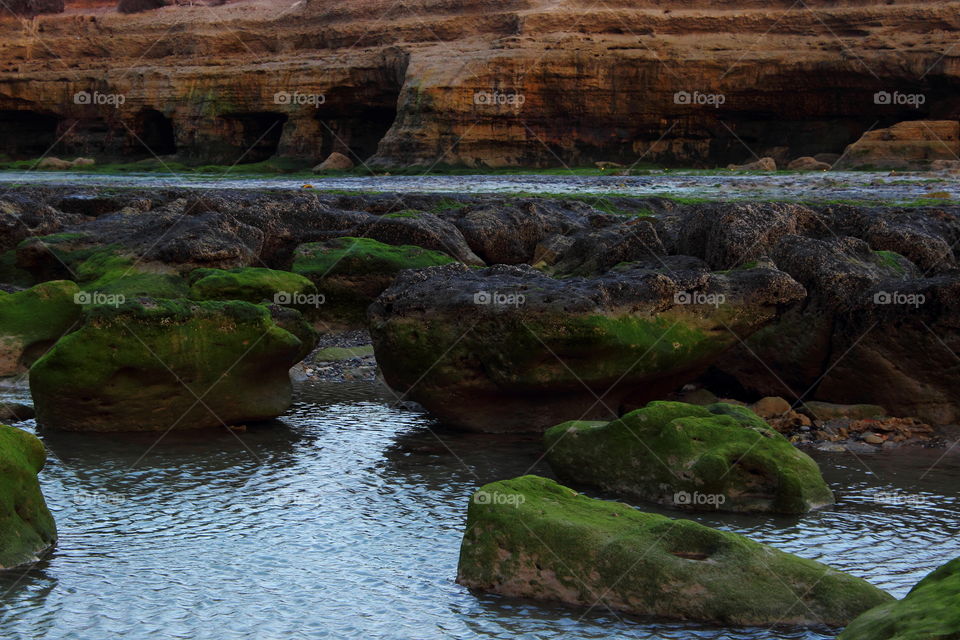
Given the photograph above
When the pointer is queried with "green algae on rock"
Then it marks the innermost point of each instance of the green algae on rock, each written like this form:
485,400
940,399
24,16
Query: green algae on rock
252,284
351,272
31,321
27,529
719,457
531,537
160,364
101,268
931,610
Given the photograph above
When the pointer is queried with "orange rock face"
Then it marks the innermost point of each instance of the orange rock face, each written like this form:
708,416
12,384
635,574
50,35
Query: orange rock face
916,144
474,82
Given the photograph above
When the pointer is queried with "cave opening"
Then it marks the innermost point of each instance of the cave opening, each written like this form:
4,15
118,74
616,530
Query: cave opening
27,134
357,132
255,137
155,135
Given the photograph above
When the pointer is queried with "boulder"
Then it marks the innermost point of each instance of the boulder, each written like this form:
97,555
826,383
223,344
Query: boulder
350,273
929,611
533,538
51,162
336,161
715,458
83,162
31,321
771,407
154,365
808,163
761,164
873,330
950,166
509,348
253,284
14,412
914,144
27,530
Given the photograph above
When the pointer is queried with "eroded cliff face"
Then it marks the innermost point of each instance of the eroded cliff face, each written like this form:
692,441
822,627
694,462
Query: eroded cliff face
474,82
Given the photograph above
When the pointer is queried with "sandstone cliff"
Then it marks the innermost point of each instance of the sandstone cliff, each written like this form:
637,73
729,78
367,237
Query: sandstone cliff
474,82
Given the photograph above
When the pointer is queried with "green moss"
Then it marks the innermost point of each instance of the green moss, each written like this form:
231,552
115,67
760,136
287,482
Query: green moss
32,320
533,537
11,274
336,354
406,213
351,273
670,452
143,364
928,612
251,284
893,260
360,256
27,529
107,269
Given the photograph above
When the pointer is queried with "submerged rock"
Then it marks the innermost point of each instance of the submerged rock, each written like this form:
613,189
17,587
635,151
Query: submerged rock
31,321
351,272
531,537
153,365
929,611
27,529
720,457
511,349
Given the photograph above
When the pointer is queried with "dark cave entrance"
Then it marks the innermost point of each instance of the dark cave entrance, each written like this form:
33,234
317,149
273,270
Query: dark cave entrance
354,121
254,137
155,133
27,134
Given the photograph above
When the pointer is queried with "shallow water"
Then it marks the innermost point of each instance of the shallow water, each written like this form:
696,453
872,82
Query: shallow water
879,187
343,520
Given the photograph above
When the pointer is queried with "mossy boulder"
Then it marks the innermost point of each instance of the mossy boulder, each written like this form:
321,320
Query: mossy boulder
509,348
27,529
531,537
351,272
153,365
931,610
31,321
252,284
719,457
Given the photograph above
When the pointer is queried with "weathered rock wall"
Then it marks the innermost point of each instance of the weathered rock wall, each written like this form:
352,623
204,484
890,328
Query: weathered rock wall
519,82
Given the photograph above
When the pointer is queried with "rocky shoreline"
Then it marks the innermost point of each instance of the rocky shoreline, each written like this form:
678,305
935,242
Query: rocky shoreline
673,353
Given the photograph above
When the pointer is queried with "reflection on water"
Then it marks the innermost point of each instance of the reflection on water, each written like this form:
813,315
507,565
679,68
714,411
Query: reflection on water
344,520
